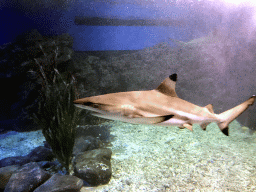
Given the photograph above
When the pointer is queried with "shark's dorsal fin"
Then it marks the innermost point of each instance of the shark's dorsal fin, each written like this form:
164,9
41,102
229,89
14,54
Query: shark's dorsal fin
167,87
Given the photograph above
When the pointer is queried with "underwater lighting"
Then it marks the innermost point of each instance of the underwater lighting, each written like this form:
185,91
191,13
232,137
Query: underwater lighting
240,2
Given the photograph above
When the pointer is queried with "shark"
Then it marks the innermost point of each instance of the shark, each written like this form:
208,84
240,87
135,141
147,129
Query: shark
160,106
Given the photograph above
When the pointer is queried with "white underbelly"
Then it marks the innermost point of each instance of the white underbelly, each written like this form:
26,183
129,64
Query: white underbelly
173,122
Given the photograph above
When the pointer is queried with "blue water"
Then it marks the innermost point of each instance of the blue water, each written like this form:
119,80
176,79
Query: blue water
97,38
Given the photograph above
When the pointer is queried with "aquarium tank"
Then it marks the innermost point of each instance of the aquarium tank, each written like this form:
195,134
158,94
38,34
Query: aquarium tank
118,95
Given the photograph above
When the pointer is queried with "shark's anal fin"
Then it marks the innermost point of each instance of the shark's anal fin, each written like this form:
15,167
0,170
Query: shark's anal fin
167,87
209,107
204,125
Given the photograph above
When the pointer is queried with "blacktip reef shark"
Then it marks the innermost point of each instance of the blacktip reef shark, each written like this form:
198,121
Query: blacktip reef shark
160,106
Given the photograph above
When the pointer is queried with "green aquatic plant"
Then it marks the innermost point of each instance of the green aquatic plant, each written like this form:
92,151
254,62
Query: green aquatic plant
56,113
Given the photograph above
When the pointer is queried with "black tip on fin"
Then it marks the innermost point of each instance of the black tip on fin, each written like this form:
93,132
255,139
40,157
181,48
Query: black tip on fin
225,131
173,77
167,117
163,118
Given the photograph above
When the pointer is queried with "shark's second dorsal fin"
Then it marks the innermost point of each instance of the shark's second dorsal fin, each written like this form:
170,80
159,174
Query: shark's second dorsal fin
209,107
167,87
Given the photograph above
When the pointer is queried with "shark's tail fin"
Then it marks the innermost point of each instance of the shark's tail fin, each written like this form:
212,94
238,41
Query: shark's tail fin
229,115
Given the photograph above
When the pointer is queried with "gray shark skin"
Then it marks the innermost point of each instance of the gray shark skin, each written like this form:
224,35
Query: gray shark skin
160,106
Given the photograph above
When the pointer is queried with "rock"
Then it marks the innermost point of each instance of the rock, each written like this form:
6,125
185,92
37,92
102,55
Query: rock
63,183
94,166
48,164
85,143
27,179
6,173
18,160
38,154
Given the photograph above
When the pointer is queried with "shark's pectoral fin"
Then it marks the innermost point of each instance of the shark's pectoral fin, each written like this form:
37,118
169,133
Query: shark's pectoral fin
188,126
136,120
151,120
126,110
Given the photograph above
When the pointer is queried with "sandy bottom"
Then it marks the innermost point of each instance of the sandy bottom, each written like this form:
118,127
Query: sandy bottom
152,158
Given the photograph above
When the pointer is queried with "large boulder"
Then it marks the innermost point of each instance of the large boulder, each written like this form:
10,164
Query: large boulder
63,183
38,154
5,175
94,166
27,178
